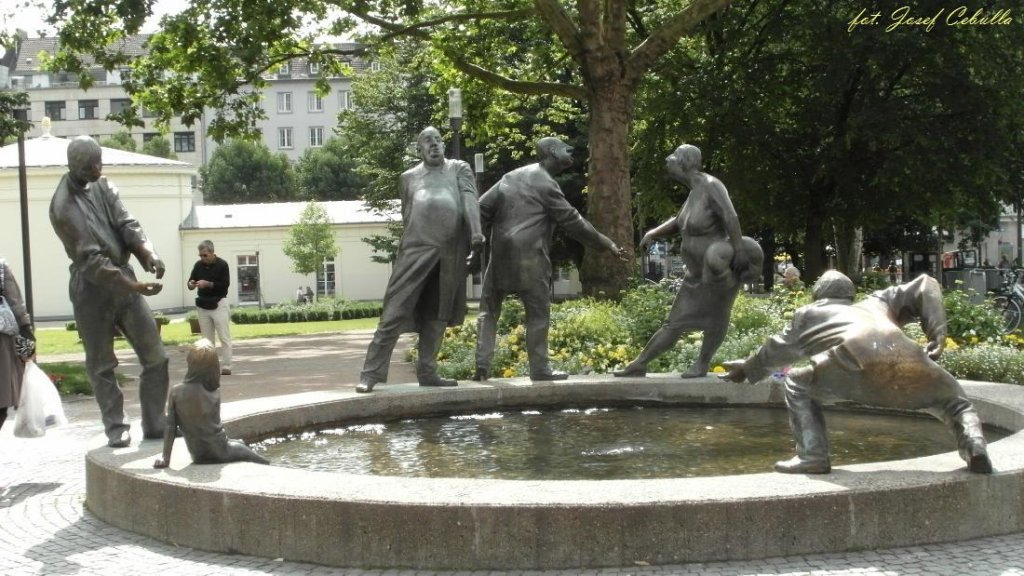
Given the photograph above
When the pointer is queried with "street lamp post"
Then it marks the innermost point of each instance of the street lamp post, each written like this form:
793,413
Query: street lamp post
21,115
455,119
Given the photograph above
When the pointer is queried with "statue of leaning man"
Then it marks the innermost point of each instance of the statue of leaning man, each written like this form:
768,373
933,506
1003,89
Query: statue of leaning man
859,352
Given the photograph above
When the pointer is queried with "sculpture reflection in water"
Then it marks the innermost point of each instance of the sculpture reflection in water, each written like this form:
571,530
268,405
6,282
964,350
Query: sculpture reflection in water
858,352
194,407
718,259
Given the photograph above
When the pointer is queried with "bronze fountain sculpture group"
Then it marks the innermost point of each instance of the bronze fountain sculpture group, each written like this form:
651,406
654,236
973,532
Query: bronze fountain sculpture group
855,351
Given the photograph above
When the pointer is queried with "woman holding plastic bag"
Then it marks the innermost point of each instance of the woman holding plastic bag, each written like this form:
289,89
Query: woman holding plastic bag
17,343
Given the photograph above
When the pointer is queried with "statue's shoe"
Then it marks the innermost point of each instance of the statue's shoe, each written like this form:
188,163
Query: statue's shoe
365,386
796,465
439,382
480,375
977,460
635,371
120,440
549,376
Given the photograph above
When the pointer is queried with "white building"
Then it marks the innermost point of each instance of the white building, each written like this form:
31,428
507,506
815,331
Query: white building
250,237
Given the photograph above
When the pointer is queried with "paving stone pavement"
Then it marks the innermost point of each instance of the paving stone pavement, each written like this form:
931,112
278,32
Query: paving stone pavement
46,530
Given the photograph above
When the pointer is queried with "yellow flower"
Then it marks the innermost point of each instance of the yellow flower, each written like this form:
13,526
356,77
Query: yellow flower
718,369
508,373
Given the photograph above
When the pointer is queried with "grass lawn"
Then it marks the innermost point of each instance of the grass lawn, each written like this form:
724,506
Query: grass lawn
50,341
70,377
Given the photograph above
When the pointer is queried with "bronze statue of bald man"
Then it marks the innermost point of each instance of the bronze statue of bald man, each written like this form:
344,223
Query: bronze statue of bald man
99,237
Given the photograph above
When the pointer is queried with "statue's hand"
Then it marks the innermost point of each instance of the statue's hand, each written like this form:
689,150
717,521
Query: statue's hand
620,253
476,248
148,288
160,463
646,241
154,265
734,371
935,348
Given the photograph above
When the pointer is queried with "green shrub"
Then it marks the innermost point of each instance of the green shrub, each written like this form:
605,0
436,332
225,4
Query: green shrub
970,323
71,326
988,362
872,281
645,309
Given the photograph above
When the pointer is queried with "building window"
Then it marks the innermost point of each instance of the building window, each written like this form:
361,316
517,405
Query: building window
148,113
284,102
325,278
316,136
562,274
284,69
284,137
119,105
374,66
88,109
56,110
146,137
248,278
314,68
184,141
345,100
316,102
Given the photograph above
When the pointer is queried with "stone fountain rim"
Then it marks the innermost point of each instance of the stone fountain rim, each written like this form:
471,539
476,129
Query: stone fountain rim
287,482
364,521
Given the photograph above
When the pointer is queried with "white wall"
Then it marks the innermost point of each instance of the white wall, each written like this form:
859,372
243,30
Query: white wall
357,277
159,197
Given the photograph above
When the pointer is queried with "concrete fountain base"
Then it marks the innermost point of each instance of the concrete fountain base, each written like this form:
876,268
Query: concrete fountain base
370,521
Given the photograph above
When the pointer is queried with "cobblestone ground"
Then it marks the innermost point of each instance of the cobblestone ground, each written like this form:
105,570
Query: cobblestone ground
46,530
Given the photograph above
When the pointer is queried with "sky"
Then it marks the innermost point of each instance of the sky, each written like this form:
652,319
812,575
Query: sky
30,15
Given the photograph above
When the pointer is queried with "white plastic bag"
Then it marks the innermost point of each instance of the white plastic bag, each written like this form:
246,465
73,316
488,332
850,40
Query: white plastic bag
39,407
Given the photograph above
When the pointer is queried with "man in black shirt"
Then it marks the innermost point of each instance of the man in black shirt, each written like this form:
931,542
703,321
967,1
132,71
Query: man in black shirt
211,277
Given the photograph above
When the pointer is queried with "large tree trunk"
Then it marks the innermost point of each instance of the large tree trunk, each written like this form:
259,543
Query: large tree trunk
609,201
849,246
815,262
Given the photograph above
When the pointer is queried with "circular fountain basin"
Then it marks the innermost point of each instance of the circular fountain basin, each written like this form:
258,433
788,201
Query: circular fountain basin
459,523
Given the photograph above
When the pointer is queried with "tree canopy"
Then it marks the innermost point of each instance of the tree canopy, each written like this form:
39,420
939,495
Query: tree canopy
596,52
241,172
329,173
310,241
122,140
818,128
158,146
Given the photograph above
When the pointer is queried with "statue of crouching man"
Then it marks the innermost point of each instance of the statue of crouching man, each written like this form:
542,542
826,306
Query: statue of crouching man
858,352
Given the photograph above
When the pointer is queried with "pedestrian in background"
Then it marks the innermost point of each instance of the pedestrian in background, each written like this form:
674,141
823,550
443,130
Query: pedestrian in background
211,279
15,349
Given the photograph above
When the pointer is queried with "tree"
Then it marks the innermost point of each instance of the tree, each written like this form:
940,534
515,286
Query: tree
329,173
821,132
10,127
123,141
311,240
213,55
158,146
247,172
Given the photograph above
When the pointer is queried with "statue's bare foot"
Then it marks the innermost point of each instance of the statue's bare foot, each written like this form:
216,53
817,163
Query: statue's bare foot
634,370
696,371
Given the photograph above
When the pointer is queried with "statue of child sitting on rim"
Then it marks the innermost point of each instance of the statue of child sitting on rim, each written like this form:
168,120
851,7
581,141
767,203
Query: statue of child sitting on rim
194,407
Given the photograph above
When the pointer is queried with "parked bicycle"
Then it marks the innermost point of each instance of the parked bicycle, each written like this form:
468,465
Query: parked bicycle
1009,300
